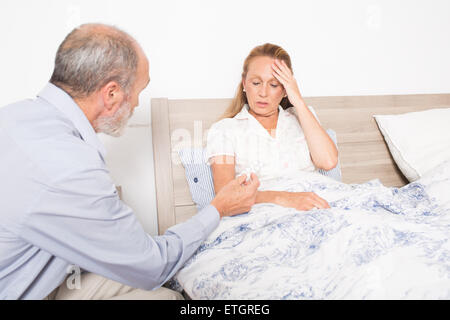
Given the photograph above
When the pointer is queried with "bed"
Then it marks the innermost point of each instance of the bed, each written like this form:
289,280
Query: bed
363,155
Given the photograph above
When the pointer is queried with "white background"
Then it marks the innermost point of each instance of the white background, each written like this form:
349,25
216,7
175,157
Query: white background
196,50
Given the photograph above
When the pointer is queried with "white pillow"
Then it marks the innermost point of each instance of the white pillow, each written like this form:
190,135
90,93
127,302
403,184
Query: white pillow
418,141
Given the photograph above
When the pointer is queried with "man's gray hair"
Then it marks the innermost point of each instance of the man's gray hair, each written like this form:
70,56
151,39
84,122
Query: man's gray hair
93,55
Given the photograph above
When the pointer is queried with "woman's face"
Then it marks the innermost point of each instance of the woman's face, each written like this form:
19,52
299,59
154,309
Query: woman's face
264,91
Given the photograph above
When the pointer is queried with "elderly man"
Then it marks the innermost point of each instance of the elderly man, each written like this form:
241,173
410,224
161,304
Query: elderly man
58,205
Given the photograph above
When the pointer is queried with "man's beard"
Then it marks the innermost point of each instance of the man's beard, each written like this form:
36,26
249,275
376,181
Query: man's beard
114,125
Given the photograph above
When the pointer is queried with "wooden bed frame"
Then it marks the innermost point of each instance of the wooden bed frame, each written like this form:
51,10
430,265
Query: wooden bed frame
363,154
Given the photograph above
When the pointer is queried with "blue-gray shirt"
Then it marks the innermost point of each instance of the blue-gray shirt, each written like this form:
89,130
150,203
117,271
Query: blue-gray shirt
59,207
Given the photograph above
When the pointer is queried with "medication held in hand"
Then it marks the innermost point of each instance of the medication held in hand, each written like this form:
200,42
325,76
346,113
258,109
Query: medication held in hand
248,173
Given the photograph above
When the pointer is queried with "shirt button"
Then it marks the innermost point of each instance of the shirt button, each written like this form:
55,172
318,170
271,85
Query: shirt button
195,180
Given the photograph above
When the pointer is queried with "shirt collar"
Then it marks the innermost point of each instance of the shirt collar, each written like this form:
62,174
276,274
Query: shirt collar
244,114
257,127
64,103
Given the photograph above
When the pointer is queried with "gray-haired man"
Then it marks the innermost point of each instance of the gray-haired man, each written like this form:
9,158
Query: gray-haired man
59,206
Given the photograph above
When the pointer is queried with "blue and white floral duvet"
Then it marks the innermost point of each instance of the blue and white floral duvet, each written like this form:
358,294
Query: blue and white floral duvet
374,243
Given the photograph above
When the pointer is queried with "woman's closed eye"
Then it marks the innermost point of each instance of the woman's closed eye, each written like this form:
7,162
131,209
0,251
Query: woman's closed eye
272,84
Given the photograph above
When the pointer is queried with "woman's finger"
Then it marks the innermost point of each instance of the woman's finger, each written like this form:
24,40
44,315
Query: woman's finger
283,67
277,69
279,78
324,204
315,201
280,73
289,71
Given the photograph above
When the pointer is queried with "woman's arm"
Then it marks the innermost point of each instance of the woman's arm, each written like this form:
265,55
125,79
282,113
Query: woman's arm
302,201
323,152
223,171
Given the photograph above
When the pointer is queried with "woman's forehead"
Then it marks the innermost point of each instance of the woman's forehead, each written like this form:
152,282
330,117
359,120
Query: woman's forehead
261,67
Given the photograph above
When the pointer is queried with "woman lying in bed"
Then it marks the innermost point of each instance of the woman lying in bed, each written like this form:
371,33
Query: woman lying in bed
269,130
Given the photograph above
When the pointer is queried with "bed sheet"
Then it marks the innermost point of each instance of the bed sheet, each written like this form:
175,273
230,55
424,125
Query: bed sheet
374,242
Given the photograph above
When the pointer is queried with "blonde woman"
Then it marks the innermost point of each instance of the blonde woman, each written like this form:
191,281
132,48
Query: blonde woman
269,130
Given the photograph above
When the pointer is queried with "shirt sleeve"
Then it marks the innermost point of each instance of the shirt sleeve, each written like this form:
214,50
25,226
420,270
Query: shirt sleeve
82,220
220,140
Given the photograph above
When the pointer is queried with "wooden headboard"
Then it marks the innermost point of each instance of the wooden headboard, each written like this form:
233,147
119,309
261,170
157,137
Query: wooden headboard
363,153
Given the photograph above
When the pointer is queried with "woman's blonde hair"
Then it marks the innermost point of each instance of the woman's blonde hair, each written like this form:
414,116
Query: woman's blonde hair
240,99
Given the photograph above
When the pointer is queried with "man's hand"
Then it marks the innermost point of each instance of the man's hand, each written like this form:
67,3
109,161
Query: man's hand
237,196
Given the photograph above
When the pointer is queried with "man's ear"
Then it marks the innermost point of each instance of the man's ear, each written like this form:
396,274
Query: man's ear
112,96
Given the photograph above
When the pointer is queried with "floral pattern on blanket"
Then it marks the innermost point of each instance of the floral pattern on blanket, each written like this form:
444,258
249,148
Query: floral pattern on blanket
375,242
